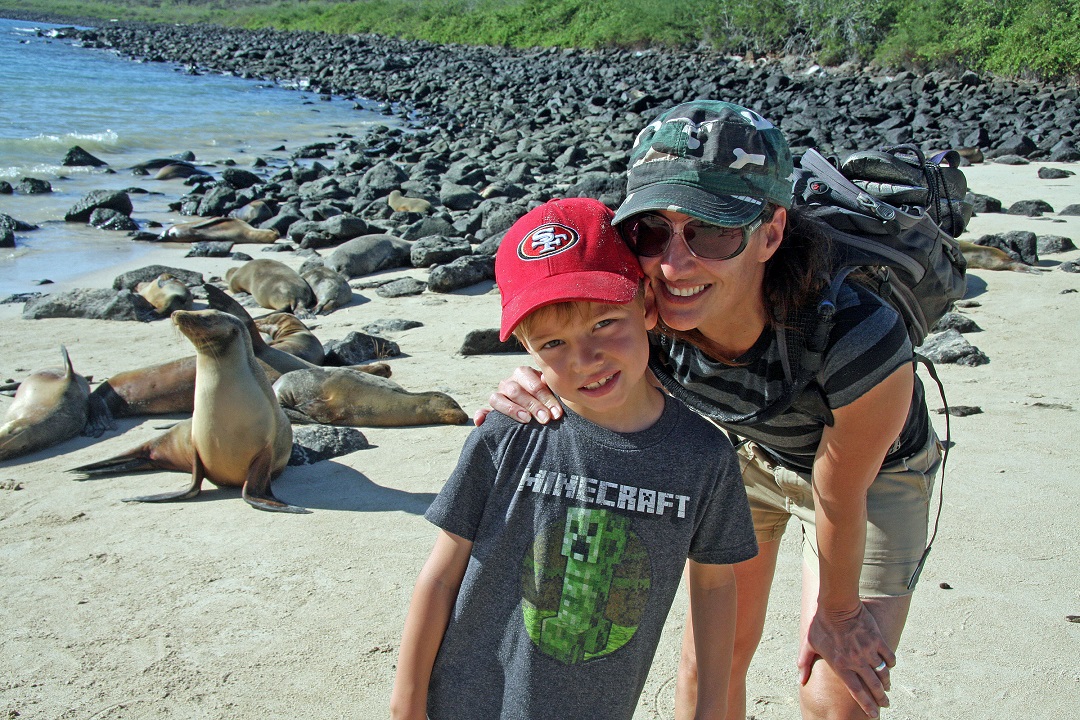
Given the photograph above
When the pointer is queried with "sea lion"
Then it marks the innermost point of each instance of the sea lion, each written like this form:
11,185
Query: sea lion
400,203
331,288
166,294
178,170
289,335
238,435
158,163
987,257
50,406
170,387
343,396
218,230
281,361
273,284
155,390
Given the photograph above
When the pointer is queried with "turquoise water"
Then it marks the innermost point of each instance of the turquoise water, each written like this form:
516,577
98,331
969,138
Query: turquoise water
56,95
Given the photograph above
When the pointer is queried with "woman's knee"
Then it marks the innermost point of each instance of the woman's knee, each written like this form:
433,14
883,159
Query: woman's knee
823,701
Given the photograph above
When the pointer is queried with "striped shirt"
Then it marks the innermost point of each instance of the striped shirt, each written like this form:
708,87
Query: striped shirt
868,342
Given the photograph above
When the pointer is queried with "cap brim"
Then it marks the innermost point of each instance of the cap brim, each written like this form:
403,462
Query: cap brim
590,286
725,210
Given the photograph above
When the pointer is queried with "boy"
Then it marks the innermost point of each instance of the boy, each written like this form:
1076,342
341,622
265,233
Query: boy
561,545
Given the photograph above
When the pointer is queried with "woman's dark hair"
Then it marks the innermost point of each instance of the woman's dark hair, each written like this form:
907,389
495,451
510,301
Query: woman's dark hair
794,276
799,269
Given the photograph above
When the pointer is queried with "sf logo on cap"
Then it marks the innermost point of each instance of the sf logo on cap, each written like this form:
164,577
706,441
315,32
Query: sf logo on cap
546,240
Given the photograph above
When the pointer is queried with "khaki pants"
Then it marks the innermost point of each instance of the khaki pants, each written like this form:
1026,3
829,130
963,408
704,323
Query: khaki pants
898,506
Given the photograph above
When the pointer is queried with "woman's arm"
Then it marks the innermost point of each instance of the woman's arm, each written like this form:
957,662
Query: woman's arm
523,396
429,614
712,604
849,457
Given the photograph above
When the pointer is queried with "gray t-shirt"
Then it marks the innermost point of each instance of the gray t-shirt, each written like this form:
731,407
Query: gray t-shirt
580,535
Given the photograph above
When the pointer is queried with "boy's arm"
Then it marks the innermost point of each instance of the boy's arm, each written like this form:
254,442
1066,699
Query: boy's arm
429,613
712,604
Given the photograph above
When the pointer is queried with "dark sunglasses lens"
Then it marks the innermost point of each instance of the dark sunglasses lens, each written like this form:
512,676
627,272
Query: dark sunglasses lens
711,241
649,235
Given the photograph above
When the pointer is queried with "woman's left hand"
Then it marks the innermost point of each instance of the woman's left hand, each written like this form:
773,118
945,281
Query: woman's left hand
852,645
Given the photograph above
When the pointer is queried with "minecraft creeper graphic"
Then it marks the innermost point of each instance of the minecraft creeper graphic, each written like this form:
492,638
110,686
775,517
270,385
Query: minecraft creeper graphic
593,543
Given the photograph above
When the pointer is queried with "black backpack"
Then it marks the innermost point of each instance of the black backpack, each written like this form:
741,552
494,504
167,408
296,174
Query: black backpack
900,253
906,254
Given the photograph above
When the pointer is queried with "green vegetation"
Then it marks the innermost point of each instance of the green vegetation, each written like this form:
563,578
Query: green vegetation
1036,38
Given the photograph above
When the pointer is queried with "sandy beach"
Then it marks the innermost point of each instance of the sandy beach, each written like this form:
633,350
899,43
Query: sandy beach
211,609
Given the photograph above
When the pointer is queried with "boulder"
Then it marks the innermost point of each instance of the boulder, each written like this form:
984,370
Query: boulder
111,199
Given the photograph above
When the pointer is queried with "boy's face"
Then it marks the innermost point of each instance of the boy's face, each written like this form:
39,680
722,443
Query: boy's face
595,357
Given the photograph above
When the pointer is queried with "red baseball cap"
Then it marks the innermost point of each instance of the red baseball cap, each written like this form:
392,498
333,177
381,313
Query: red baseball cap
562,251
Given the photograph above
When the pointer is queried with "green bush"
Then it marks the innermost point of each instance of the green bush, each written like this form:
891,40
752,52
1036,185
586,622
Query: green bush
1039,38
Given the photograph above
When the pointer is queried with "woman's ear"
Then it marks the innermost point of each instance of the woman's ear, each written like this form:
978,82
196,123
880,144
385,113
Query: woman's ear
774,233
651,312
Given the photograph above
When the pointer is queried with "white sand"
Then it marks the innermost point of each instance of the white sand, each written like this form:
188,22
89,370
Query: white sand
211,609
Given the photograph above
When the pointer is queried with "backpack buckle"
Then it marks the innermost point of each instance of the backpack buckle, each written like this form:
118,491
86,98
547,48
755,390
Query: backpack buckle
879,209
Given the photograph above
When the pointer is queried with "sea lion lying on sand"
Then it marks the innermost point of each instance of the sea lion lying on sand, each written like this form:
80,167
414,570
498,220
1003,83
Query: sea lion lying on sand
343,396
238,435
288,334
282,361
50,406
331,288
986,257
166,294
218,230
273,284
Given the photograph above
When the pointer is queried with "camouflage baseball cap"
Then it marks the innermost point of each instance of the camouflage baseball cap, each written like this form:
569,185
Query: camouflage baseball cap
713,160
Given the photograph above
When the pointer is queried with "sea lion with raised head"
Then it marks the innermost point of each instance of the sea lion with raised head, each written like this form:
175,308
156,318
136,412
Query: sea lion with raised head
218,230
238,435
331,288
343,396
401,203
273,284
50,406
166,293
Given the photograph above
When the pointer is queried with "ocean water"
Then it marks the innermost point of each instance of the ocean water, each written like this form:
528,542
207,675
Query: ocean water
57,95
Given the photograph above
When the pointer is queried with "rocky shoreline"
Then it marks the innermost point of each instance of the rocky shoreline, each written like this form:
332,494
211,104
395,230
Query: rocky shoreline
487,92
491,130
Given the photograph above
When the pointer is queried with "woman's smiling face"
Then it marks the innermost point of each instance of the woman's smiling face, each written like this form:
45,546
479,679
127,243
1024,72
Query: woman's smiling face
698,293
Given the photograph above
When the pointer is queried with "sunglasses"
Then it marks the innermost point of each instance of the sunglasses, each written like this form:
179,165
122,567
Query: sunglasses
648,235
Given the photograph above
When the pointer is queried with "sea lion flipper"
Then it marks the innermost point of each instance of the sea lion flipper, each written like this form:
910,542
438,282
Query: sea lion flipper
257,491
120,465
198,472
99,417
191,492
218,299
170,451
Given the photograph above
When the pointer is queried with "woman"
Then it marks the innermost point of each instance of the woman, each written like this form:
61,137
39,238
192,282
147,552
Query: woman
709,213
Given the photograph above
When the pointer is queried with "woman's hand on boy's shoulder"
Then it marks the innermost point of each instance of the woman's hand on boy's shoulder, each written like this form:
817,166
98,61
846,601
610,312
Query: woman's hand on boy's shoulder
523,396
